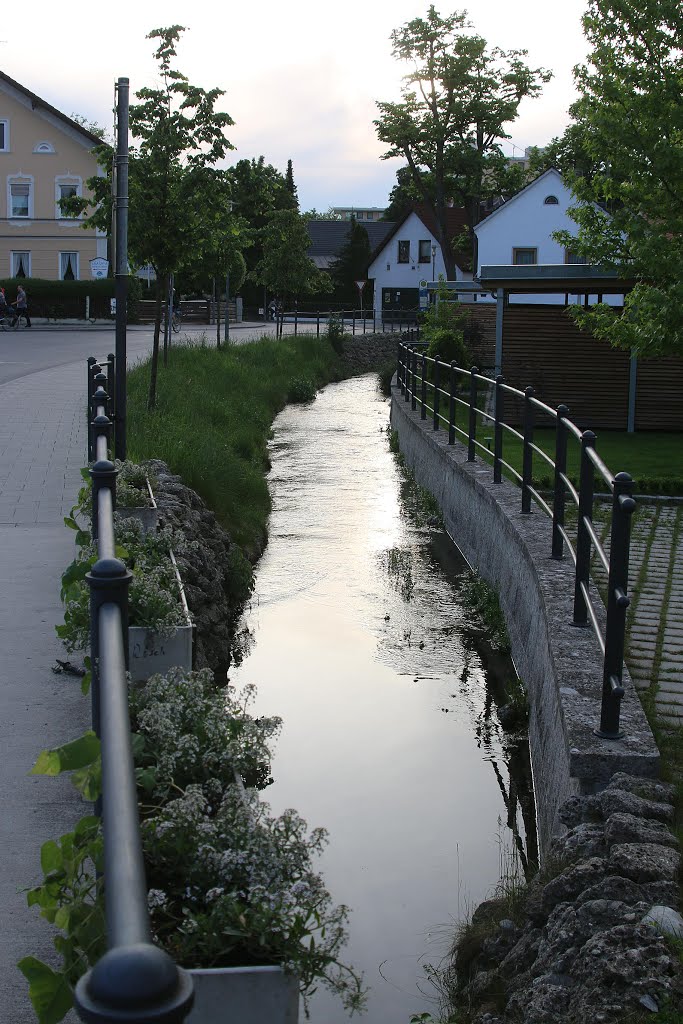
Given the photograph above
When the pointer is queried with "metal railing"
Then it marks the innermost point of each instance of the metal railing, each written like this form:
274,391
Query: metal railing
134,980
453,388
296,321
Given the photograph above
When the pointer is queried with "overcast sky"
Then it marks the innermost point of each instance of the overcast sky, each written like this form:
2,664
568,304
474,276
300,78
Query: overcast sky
301,78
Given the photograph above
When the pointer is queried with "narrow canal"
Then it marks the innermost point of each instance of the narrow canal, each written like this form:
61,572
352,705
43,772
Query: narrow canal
391,737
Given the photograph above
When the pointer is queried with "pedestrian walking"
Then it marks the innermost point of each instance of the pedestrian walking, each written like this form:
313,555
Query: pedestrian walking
21,302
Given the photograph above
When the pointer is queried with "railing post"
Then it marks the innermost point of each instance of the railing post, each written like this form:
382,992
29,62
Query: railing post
109,580
92,362
103,474
472,426
407,373
451,405
423,388
528,455
560,489
353,323
437,390
499,413
111,386
413,392
623,506
398,366
317,325
583,540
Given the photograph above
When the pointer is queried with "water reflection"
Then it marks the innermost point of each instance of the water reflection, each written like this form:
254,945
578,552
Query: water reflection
392,737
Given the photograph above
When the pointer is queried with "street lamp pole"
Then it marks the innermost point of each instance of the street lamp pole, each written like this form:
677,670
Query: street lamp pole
433,263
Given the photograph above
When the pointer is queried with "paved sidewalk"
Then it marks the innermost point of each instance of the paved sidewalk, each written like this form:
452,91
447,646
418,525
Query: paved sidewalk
42,448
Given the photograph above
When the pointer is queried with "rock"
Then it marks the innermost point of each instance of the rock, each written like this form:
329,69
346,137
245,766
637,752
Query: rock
665,894
649,1003
581,841
666,920
629,828
613,801
522,955
615,887
644,862
648,789
572,881
579,809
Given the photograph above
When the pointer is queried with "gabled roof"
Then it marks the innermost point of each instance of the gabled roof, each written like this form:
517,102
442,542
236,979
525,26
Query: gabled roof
456,222
38,103
328,238
504,206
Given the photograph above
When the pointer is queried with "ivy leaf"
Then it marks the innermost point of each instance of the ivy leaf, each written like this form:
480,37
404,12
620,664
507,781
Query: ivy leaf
88,780
51,857
85,683
49,992
76,754
71,523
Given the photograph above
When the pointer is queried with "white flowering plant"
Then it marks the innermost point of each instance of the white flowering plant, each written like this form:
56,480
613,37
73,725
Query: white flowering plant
233,885
190,731
154,597
229,884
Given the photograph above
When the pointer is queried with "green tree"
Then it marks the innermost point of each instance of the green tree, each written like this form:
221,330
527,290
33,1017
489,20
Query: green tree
624,154
285,267
352,262
180,133
289,183
449,125
258,191
405,194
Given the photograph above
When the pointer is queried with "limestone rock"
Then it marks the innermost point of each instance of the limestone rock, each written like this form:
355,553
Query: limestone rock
580,809
666,920
572,881
629,828
581,841
648,789
613,801
644,862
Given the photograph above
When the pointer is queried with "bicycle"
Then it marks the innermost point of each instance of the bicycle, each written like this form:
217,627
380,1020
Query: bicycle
176,320
9,321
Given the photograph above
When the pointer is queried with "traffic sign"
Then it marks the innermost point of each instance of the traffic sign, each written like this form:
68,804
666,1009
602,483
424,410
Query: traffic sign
360,285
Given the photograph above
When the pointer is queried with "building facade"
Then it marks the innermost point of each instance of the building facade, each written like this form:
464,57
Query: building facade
45,156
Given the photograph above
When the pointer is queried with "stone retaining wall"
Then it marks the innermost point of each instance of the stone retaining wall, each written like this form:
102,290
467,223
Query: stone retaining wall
559,664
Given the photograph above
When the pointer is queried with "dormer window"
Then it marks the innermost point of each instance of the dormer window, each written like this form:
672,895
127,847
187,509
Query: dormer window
43,147
4,136
551,201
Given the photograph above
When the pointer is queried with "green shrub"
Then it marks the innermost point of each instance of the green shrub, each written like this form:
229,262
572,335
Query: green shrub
301,389
444,330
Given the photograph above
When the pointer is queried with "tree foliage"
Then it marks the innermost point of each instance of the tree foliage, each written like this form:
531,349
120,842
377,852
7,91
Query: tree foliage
451,120
285,267
352,262
624,154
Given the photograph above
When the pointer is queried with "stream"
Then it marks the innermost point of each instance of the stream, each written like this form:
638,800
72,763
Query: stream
388,690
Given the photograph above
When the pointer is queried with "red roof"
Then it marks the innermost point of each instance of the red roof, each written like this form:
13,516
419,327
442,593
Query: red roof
456,222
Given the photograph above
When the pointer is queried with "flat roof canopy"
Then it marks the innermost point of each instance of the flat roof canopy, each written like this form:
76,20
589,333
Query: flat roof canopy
576,278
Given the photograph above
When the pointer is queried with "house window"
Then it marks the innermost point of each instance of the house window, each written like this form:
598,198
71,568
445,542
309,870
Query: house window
4,136
425,251
404,252
43,147
574,258
68,266
524,257
20,200
21,264
551,201
65,189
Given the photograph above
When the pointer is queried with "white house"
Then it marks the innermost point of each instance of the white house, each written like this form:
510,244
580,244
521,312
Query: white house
408,258
519,232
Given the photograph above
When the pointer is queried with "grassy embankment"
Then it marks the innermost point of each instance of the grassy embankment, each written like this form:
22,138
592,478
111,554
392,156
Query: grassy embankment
213,419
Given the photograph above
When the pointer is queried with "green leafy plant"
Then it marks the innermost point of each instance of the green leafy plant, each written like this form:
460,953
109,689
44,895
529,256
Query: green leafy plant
229,883
481,598
301,389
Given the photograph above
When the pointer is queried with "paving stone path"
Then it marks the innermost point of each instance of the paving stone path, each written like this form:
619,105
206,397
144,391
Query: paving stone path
655,630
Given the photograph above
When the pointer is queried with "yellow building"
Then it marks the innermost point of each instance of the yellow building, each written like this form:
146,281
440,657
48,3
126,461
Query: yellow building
44,156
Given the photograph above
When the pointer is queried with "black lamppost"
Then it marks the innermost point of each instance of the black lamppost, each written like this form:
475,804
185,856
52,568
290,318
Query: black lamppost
433,263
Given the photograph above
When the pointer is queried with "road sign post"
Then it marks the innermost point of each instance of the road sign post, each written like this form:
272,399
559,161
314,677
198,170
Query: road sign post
360,285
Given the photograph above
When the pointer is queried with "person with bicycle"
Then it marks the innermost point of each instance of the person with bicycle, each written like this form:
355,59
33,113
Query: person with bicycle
21,302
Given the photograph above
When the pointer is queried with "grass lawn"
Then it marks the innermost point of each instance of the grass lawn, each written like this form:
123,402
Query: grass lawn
654,460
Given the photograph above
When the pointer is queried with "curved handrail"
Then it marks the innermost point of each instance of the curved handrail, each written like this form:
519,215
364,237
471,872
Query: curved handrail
614,561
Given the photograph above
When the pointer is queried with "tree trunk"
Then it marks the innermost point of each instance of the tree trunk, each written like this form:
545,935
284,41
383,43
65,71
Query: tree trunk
152,395
167,318
216,292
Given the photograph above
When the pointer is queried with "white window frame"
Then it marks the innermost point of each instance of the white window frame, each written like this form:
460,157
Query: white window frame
75,264
73,181
20,179
20,252
525,248
43,147
5,142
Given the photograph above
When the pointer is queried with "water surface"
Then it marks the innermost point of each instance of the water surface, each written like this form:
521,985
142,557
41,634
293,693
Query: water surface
391,739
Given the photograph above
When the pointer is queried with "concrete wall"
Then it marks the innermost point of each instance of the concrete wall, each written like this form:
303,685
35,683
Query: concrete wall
559,664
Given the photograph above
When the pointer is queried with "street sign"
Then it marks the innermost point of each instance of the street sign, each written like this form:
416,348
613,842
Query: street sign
99,268
360,285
